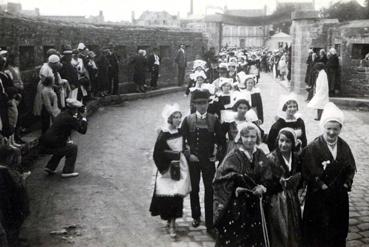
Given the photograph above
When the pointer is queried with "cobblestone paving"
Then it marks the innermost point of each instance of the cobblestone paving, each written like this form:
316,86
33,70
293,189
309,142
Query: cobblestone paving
109,201
355,133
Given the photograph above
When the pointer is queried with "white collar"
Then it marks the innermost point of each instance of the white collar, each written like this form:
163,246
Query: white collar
288,162
283,115
201,116
167,129
247,153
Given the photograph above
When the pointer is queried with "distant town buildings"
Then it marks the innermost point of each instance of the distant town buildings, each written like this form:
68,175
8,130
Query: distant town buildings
298,6
16,9
157,18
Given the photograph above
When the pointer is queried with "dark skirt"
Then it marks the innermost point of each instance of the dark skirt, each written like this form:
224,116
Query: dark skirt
139,78
241,224
168,207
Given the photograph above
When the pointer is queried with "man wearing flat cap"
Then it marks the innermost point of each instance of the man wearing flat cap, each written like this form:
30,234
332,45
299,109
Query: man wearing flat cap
204,136
56,140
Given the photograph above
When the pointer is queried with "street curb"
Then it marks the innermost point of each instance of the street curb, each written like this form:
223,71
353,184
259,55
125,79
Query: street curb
350,102
342,101
32,138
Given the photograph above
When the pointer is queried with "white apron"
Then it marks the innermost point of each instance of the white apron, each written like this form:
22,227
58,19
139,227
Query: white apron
165,186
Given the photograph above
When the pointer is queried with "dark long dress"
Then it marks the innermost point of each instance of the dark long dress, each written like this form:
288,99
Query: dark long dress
281,123
167,200
326,212
238,219
333,73
139,74
283,210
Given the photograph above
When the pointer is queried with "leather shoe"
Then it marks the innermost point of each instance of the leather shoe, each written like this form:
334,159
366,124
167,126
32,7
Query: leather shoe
49,171
69,175
196,222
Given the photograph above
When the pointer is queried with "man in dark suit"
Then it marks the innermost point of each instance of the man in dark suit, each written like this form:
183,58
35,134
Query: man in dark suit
56,140
181,62
202,133
154,64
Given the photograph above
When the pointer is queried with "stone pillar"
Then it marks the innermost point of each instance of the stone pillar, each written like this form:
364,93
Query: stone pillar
307,31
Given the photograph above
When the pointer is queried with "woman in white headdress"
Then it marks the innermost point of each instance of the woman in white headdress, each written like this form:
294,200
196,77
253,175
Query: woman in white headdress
328,167
288,116
247,89
172,181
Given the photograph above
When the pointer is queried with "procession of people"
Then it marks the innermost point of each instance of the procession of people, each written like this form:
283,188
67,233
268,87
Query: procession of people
294,194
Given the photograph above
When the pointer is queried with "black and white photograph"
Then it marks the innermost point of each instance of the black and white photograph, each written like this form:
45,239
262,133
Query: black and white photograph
184,123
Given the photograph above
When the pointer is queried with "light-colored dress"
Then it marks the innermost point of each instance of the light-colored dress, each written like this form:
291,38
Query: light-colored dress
321,97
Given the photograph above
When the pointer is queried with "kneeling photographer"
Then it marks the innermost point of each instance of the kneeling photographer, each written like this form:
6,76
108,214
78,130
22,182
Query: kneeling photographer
56,140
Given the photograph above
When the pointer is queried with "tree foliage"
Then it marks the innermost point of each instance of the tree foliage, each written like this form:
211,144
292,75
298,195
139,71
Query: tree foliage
346,11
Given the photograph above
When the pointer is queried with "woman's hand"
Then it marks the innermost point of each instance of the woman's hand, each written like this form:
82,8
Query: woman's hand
283,182
324,187
259,190
193,158
239,191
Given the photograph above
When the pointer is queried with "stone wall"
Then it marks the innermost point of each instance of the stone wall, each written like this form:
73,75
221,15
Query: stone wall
29,39
307,31
355,73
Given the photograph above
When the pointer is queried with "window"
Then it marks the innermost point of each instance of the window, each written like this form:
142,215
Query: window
121,52
27,57
359,51
165,51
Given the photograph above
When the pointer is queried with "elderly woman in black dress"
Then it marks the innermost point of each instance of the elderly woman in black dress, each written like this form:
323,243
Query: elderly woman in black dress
328,168
239,185
172,181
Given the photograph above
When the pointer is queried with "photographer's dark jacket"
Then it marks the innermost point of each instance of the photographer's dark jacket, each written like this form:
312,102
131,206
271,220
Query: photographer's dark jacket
59,132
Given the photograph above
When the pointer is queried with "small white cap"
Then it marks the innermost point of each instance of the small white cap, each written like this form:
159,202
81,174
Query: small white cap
53,59
81,46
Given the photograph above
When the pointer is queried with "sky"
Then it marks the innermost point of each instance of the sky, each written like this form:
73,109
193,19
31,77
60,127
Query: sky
117,10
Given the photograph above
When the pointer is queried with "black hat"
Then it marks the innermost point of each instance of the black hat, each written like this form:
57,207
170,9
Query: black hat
200,95
67,49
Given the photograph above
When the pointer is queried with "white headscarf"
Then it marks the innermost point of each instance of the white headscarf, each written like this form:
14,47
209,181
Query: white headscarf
168,111
283,100
331,113
245,125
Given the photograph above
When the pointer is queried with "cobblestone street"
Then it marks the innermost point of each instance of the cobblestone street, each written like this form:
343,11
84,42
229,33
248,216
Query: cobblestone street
107,205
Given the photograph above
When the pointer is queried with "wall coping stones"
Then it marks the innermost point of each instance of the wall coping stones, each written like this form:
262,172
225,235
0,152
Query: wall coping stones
31,139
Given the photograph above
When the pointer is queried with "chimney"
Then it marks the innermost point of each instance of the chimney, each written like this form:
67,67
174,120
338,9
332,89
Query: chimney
191,8
265,9
313,1
133,20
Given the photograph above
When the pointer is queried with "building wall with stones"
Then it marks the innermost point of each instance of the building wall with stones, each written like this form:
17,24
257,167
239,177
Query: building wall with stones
351,40
354,45
28,40
307,31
